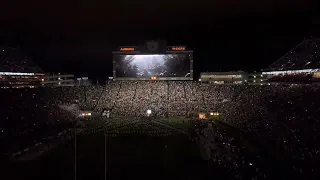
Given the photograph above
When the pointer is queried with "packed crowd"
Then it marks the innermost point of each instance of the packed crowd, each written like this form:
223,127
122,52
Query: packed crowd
227,150
29,116
283,118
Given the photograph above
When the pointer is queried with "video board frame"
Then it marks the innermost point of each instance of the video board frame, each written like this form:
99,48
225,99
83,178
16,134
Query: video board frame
134,50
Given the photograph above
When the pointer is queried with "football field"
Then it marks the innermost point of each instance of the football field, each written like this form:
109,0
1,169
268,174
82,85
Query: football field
117,149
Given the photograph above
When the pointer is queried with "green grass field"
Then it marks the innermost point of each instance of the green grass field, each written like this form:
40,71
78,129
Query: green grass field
124,149
179,122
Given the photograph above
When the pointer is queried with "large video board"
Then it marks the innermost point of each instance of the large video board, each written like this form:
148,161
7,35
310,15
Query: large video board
152,65
153,61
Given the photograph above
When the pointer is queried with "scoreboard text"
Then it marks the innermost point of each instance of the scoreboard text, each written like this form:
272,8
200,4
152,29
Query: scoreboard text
178,48
127,49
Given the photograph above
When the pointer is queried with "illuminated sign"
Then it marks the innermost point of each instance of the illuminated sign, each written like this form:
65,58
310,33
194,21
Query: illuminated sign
202,116
127,49
153,78
178,48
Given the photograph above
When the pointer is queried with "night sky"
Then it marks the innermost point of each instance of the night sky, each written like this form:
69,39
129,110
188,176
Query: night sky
78,37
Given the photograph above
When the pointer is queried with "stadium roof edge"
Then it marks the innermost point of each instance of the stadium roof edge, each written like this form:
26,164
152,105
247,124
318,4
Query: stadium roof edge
17,51
266,69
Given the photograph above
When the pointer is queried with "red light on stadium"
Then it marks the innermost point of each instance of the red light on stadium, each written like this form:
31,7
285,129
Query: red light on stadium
126,49
178,48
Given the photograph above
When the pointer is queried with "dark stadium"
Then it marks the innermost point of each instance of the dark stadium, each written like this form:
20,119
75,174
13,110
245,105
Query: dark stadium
178,90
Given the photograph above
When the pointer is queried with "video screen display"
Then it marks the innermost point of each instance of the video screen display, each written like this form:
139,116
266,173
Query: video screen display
159,65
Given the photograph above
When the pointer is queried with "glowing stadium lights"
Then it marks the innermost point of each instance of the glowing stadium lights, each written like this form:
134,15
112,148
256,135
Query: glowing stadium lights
293,71
86,114
16,74
148,112
214,114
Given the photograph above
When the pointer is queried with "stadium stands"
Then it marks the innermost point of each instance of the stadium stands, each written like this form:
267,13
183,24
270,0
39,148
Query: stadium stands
283,116
304,56
13,60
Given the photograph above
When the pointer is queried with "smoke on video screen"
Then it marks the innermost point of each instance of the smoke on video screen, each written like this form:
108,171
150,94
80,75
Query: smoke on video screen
163,65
